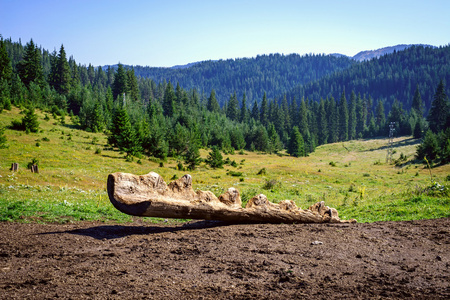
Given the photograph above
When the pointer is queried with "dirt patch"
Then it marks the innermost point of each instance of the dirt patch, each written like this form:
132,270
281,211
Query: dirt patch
213,260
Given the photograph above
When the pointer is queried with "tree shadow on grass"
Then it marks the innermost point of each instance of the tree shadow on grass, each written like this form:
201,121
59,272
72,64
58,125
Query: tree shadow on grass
108,232
402,143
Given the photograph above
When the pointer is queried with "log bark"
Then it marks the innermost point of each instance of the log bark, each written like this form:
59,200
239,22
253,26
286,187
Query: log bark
149,196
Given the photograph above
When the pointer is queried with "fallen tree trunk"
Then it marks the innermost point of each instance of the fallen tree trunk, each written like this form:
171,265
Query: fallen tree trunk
149,196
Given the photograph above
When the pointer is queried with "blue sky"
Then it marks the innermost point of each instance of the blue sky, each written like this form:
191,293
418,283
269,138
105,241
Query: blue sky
168,33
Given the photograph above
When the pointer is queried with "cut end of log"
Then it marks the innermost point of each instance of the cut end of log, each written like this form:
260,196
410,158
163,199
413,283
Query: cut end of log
149,196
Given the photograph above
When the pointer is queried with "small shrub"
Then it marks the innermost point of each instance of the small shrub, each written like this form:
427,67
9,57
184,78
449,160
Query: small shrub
271,184
139,162
94,140
352,188
180,166
174,177
332,163
34,161
241,152
46,139
98,151
235,174
377,163
17,125
129,158
233,164
38,144
161,164
366,175
263,171
241,179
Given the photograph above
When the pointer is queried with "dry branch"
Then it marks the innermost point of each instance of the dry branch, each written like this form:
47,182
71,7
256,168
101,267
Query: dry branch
149,196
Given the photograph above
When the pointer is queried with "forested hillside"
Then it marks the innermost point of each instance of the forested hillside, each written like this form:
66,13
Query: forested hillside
273,74
391,77
160,118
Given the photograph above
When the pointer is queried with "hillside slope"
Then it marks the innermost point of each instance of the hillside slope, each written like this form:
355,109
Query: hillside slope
390,77
272,74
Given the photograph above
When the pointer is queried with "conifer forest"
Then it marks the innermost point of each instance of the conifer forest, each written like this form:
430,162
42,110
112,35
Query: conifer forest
270,103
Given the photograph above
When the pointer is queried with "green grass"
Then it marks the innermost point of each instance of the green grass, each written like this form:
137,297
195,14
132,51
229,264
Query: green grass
74,165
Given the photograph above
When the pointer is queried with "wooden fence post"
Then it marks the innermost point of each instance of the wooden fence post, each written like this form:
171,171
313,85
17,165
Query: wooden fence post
14,167
34,169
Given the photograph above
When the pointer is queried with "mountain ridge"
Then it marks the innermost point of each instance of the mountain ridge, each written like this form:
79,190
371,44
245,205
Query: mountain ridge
370,54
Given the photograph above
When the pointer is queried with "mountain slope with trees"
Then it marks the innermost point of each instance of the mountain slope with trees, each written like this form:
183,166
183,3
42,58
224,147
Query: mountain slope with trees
391,77
160,119
272,74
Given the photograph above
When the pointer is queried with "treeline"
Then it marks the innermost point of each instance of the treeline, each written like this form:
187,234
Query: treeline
390,78
141,116
274,74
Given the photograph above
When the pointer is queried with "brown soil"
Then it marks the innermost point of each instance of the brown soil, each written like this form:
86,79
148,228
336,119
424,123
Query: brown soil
213,260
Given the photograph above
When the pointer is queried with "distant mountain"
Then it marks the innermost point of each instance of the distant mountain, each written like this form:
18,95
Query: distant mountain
338,55
369,54
185,66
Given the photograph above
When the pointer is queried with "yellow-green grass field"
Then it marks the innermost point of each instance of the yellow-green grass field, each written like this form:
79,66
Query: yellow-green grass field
353,177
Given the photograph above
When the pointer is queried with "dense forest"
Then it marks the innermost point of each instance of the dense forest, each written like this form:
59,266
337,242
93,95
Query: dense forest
273,74
161,118
391,77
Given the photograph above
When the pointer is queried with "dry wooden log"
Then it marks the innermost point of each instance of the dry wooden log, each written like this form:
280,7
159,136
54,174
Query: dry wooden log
149,196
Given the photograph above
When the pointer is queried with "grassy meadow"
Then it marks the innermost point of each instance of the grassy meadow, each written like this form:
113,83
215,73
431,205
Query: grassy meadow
352,176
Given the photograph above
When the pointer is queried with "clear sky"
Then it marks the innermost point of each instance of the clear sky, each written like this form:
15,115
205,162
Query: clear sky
168,33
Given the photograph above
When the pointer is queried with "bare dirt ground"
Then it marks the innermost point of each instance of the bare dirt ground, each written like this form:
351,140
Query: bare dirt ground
213,260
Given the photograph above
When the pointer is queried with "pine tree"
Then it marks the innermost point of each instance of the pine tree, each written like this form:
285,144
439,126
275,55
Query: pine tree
429,147
213,105
418,129
233,108
333,121
439,114
303,118
123,135
360,116
255,111
30,68
5,98
417,103
120,85
322,123
352,117
243,115
97,118
380,116
215,158
132,85
296,143
5,62
264,111
192,156
343,118
60,77
169,101
30,121
274,139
